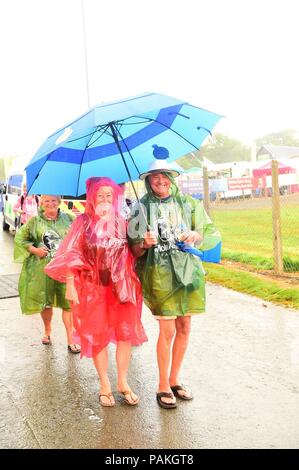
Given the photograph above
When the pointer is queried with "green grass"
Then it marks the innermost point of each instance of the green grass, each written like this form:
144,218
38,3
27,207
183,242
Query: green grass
251,284
247,236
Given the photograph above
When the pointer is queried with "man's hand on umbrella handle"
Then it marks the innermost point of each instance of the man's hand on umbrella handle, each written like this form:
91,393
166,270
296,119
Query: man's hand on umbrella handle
192,237
149,240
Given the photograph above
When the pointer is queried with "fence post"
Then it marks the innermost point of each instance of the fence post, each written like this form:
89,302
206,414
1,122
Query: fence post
276,224
206,190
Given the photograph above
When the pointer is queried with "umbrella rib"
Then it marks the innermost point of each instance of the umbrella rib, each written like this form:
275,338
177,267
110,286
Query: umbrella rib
124,123
128,150
175,132
114,131
87,135
47,158
73,140
83,158
98,138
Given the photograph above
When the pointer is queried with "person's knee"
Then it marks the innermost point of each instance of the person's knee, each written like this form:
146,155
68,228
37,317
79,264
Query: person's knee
167,331
47,310
183,326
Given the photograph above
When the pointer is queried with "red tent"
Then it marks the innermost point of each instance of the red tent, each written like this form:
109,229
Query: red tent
266,170
260,174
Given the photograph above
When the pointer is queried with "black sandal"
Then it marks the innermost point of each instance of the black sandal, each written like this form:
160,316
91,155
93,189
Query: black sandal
162,403
74,348
177,388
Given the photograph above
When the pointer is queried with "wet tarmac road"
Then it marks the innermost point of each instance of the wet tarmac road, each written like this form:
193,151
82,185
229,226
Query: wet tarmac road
7,266
242,365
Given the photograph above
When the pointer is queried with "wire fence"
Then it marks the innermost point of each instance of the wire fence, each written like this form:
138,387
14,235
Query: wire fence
247,230
261,230
258,228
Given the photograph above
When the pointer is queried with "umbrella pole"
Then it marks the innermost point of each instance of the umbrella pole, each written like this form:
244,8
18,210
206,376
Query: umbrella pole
129,174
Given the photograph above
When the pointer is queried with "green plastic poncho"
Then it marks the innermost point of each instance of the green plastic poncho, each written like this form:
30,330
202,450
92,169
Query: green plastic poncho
172,280
36,289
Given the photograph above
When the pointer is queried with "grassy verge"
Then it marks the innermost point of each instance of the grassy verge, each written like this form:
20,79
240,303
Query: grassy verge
247,236
250,283
260,262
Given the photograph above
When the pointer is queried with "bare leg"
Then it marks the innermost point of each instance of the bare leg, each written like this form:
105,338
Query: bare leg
183,326
67,318
101,364
123,355
46,315
167,330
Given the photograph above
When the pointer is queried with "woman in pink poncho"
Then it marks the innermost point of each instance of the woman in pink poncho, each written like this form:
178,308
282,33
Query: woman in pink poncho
95,262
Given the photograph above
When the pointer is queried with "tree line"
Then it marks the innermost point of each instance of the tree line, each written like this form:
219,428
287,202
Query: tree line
222,148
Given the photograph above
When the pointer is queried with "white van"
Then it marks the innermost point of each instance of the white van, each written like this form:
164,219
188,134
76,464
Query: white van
14,186
13,191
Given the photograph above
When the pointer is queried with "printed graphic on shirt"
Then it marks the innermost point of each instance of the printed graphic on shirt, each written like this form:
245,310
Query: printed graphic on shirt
168,234
51,240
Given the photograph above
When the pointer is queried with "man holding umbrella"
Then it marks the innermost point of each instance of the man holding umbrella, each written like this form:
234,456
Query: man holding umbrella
171,274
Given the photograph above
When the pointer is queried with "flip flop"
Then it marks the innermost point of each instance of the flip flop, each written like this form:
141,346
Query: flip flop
108,395
129,392
74,348
176,389
162,403
46,340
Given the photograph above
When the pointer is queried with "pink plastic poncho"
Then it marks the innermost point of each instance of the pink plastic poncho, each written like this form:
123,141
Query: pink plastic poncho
96,253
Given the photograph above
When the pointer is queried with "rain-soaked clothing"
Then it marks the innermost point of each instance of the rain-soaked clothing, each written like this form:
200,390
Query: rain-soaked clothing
97,254
28,205
36,289
172,280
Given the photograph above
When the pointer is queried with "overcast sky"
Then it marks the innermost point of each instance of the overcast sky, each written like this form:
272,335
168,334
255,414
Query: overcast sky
235,57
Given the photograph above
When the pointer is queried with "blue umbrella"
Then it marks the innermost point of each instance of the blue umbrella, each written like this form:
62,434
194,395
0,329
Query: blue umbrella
116,139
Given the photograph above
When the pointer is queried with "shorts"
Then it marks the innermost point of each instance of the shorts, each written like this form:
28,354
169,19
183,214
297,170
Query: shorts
173,317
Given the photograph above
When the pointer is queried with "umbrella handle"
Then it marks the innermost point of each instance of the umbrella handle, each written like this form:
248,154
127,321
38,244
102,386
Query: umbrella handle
114,133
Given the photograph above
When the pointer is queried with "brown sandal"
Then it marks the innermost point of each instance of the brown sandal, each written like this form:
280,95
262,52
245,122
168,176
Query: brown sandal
163,403
46,340
129,392
108,395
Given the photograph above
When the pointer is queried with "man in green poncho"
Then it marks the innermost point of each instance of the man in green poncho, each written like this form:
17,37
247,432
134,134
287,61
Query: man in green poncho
35,245
163,230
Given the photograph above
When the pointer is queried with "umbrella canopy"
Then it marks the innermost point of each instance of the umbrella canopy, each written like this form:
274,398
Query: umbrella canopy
116,139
